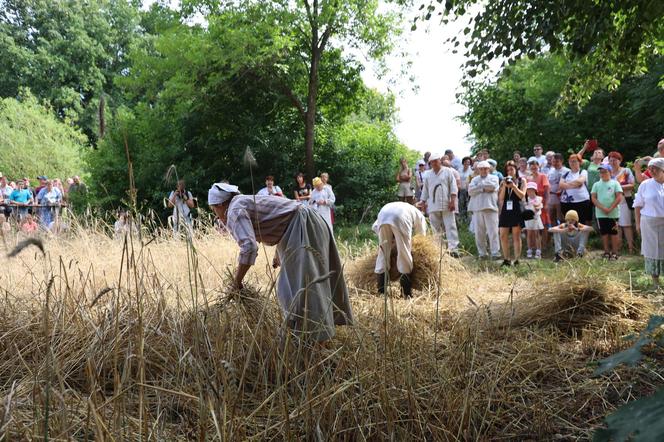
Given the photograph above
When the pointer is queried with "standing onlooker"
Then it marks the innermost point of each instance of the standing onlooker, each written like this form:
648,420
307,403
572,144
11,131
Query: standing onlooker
404,177
42,184
466,174
494,169
419,178
523,168
50,199
77,192
425,158
511,193
649,214
77,185
639,162
570,236
322,199
538,155
270,188
439,200
549,163
5,195
302,189
182,201
5,227
455,161
543,190
483,190
534,226
325,177
555,174
575,195
457,176
516,157
606,195
625,178
22,198
591,166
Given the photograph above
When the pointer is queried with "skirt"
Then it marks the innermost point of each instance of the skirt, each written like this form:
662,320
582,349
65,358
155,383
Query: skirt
405,190
534,224
625,219
311,288
652,237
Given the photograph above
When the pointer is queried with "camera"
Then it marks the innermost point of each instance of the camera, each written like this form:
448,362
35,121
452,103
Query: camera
508,180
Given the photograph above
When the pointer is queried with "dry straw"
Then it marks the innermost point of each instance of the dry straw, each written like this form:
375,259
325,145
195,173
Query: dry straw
144,342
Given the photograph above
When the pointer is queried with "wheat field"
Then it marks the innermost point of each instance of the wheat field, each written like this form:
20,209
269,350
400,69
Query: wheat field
139,339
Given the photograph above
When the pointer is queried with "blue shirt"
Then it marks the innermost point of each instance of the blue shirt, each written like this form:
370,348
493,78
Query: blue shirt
21,195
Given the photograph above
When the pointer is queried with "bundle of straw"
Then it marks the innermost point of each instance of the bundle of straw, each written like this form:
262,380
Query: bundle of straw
571,305
427,259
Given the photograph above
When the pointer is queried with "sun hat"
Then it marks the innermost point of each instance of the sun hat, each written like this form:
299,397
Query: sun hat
483,165
532,185
316,181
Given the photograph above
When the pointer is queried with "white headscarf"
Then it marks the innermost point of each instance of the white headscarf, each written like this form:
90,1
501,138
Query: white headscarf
219,193
656,162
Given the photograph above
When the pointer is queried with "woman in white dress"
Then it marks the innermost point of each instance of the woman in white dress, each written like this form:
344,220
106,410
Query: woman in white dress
322,199
649,214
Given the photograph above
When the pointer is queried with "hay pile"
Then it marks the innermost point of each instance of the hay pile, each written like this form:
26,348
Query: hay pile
184,359
570,305
426,262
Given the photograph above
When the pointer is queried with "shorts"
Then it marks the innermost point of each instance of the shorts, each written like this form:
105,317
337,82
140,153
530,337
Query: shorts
608,226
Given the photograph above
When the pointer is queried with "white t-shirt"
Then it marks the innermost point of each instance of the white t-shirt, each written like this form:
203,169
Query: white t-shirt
650,198
574,195
554,177
181,207
266,192
540,159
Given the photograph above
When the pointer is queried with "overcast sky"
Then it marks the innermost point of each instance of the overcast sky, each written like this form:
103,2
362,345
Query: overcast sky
429,114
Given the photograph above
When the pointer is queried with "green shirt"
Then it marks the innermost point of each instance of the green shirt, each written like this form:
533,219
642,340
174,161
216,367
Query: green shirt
593,173
606,192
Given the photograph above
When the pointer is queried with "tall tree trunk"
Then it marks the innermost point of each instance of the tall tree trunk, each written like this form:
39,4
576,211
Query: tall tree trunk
310,116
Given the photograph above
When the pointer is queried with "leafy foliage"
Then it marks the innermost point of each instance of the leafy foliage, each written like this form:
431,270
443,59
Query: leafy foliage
607,40
67,52
519,110
640,420
34,142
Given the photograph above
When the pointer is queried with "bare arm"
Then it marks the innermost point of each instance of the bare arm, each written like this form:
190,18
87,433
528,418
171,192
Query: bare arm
241,271
637,219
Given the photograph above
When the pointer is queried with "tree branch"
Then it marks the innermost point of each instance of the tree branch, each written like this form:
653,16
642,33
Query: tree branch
283,89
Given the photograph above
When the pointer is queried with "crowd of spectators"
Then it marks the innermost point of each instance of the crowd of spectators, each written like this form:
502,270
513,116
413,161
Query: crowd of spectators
539,198
29,208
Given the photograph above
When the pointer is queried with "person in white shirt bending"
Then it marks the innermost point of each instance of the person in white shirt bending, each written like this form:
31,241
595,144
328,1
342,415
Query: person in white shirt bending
394,226
483,191
439,196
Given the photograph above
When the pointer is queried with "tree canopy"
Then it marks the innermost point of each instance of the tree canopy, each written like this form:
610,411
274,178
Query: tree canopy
607,40
519,110
34,142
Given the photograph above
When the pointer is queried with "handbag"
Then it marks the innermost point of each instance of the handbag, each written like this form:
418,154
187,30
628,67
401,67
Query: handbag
630,202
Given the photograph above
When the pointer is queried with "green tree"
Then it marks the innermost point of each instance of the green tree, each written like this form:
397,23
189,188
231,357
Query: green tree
297,49
519,110
34,142
68,53
607,40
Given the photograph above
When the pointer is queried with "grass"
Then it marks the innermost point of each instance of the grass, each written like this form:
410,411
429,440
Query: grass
140,339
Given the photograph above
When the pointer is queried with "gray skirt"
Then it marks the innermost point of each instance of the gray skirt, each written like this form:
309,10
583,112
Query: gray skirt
311,288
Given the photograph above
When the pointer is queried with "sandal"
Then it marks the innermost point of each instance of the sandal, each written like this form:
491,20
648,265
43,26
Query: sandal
614,256
606,256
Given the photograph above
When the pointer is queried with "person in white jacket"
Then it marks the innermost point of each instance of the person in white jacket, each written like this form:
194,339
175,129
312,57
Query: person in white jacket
322,199
394,226
439,198
483,191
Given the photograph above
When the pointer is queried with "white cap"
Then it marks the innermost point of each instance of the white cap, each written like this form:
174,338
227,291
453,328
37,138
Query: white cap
421,163
656,162
436,156
483,165
219,193
493,163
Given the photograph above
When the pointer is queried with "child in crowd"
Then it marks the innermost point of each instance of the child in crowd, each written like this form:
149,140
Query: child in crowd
29,226
533,226
5,227
606,195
